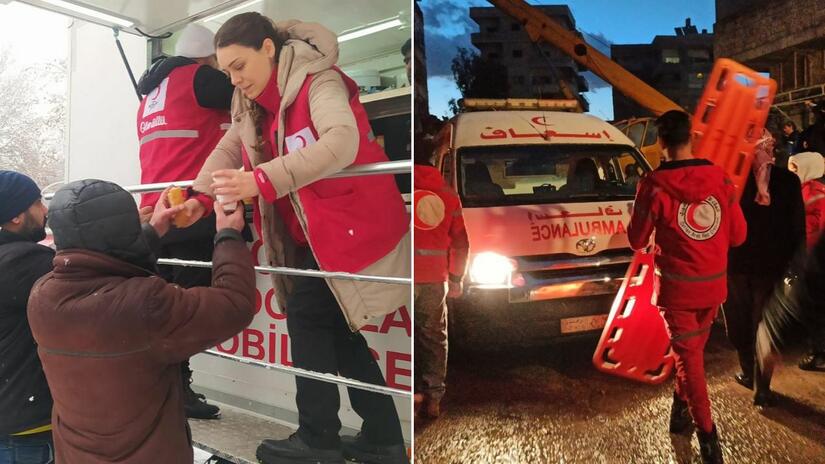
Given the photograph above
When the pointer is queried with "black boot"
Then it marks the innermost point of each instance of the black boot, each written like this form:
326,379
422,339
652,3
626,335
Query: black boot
813,362
744,379
293,450
194,404
763,396
358,449
680,421
746,363
709,447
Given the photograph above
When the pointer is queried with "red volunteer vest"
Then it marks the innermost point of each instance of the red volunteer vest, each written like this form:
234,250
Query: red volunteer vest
176,134
813,193
351,222
440,240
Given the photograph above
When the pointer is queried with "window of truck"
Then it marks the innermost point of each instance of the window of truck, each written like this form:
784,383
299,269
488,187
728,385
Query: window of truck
535,174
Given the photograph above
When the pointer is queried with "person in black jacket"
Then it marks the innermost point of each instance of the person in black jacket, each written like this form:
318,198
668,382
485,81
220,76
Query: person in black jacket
775,214
25,400
790,138
813,138
795,310
213,93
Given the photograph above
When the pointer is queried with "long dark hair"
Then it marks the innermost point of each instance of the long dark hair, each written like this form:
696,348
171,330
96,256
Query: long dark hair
250,30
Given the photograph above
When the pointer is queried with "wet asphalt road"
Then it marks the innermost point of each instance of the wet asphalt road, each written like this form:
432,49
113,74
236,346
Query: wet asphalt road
549,405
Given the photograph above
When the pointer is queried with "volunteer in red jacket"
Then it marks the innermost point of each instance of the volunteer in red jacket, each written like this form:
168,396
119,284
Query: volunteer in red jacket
441,248
296,120
183,115
810,167
691,207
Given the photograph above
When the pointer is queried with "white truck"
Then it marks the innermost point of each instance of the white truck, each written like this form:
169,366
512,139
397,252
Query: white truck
252,381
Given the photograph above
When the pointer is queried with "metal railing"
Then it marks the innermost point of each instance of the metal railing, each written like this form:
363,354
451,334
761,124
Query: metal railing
330,378
391,167
299,272
798,96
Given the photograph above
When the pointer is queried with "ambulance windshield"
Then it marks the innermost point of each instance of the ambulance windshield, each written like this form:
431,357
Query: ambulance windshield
533,174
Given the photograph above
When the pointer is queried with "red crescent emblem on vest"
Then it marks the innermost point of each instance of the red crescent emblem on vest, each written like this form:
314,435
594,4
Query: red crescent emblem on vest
428,208
700,221
696,222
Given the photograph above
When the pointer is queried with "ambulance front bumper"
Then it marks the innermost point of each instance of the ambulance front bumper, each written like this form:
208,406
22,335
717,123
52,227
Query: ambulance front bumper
539,279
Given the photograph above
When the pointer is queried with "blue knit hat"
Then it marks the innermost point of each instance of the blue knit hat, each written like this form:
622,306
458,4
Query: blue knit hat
17,193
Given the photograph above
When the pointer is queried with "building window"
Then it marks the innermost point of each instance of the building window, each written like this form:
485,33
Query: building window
515,27
517,54
670,56
492,56
699,56
800,70
696,80
518,80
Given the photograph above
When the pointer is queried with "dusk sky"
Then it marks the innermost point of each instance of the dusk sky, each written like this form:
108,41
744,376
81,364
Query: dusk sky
447,26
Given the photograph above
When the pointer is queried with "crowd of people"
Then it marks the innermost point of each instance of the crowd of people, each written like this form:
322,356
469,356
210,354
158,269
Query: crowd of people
742,263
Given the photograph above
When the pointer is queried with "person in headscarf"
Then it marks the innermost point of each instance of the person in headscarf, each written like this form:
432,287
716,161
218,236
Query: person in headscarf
810,167
775,214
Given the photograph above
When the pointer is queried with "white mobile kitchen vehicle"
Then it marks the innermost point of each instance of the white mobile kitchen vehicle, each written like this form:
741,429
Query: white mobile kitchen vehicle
547,197
250,375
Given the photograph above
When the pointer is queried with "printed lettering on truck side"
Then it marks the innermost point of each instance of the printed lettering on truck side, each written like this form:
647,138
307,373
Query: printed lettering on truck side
267,339
527,230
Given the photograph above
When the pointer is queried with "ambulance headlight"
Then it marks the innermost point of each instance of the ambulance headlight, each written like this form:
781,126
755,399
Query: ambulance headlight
491,269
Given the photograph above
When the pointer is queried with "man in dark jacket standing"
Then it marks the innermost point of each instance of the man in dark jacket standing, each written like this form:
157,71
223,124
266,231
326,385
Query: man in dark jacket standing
813,138
183,115
691,206
25,401
111,334
790,138
775,213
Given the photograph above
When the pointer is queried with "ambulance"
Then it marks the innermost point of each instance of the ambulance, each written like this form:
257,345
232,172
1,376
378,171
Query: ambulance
547,197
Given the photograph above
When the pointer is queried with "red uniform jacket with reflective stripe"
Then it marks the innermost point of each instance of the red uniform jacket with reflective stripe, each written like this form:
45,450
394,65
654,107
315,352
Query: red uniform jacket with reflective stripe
813,193
350,222
691,205
441,243
176,134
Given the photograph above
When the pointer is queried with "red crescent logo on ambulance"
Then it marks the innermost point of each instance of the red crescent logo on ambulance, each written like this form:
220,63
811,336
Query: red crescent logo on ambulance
541,120
429,210
700,221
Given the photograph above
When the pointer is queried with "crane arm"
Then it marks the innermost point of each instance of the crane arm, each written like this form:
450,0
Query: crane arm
542,28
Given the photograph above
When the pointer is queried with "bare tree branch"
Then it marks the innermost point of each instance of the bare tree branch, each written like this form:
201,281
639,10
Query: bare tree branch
33,118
